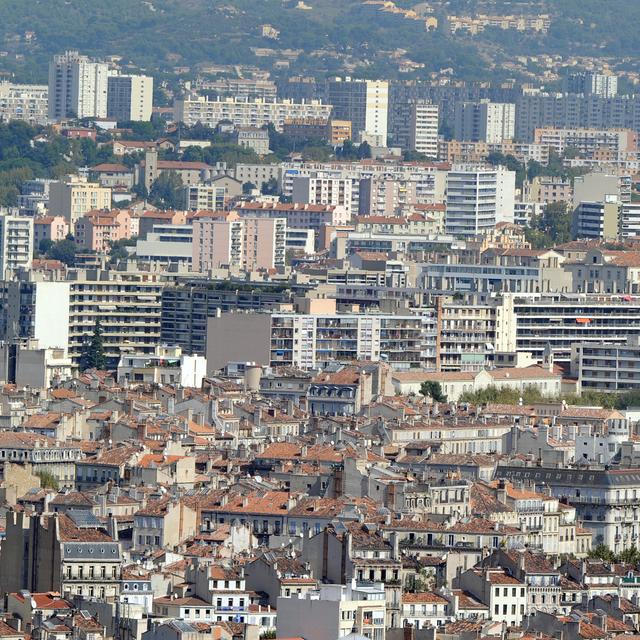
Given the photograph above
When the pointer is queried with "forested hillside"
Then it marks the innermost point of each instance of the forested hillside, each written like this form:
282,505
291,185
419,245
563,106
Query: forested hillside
327,35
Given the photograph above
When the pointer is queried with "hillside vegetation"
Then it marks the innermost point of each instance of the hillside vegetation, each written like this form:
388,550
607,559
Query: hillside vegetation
331,36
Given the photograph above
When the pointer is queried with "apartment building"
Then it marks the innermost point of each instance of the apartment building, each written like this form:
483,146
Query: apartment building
16,243
203,197
240,87
605,144
130,98
307,341
78,87
562,320
466,152
75,196
537,110
414,126
363,102
382,196
63,314
629,220
334,611
238,242
297,215
27,102
596,220
478,199
547,190
53,228
335,131
607,367
34,197
322,190
602,271
424,182
606,500
44,553
245,112
96,230
601,187
591,83
187,306
167,244
190,172
484,121
253,138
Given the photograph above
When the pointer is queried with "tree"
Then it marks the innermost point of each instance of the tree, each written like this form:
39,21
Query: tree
433,390
247,188
47,480
63,250
44,246
118,248
602,552
270,188
364,151
93,356
165,192
630,555
550,228
348,151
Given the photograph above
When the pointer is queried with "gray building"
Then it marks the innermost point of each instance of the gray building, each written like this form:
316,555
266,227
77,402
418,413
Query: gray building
606,500
187,306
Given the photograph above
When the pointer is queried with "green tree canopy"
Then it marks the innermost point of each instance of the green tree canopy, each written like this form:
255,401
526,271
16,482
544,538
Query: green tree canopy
166,191
93,355
63,250
433,390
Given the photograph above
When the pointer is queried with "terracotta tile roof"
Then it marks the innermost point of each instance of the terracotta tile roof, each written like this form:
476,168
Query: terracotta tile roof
589,412
424,597
111,167
153,460
267,503
75,498
467,601
69,532
47,600
498,576
7,631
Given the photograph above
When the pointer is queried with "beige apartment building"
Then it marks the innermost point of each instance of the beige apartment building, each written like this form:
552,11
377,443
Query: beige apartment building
244,243
546,189
73,197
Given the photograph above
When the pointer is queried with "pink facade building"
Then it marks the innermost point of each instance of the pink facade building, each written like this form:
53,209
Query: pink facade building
224,239
52,228
97,229
297,215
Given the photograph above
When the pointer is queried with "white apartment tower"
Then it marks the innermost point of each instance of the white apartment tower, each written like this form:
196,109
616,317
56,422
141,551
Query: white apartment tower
323,189
16,243
478,199
77,87
365,103
414,127
491,122
28,102
130,98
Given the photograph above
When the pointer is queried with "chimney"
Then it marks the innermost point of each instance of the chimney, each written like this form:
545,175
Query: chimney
171,406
